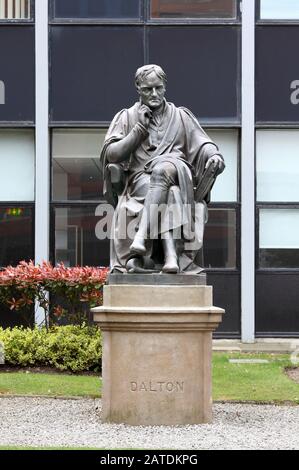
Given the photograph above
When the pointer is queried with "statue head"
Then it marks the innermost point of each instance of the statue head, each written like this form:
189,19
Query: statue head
150,82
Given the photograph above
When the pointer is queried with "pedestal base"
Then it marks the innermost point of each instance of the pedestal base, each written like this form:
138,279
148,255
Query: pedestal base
157,345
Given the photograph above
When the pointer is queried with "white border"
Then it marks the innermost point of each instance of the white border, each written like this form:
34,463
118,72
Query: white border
42,163
248,173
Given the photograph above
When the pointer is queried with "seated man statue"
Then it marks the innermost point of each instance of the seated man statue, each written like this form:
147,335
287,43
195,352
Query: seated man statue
159,167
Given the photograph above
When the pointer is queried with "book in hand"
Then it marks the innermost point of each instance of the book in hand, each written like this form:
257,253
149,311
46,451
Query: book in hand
206,183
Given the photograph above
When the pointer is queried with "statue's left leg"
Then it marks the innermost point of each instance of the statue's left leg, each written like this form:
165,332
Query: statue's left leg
170,254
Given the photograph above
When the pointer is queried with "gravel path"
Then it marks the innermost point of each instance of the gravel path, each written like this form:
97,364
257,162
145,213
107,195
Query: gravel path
77,423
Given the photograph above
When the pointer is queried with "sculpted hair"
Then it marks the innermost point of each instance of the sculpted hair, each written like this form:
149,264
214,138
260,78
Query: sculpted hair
144,71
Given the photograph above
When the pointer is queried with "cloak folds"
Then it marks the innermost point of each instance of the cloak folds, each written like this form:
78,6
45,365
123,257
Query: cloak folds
179,139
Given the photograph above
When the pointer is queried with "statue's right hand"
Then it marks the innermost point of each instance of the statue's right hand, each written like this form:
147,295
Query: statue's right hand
144,115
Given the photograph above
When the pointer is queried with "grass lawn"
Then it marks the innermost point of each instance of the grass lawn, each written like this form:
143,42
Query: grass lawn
253,382
233,382
22,383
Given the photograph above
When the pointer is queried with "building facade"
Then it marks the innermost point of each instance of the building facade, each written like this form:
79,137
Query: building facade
67,66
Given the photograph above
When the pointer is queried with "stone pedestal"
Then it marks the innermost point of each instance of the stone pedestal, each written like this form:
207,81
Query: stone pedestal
157,346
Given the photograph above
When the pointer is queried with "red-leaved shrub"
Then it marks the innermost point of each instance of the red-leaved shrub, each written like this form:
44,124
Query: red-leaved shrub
27,283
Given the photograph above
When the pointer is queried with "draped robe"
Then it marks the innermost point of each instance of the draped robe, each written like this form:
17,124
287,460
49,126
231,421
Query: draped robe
174,136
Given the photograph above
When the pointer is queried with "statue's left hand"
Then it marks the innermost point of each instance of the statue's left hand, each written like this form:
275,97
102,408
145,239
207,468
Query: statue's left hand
217,163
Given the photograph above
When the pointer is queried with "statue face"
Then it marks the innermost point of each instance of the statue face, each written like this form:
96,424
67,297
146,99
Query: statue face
152,91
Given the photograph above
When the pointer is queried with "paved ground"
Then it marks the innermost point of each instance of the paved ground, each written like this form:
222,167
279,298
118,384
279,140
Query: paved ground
261,345
77,423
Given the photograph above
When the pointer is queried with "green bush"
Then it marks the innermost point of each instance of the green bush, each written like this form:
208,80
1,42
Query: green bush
72,347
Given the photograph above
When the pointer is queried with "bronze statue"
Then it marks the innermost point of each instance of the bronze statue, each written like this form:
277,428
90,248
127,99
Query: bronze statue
159,167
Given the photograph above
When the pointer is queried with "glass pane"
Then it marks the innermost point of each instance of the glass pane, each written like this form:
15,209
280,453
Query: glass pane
17,165
226,186
277,165
76,168
193,9
92,71
97,9
279,241
220,239
76,243
279,10
194,58
16,235
15,9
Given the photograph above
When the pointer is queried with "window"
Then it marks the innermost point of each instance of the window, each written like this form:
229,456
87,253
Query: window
279,241
76,243
93,71
226,186
277,165
16,234
75,163
193,9
17,165
220,239
95,9
76,185
279,10
15,9
194,58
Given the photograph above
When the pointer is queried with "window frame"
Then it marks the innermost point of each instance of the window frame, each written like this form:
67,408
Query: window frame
271,22
70,201
95,21
145,18
271,205
64,205
21,21
237,208
181,21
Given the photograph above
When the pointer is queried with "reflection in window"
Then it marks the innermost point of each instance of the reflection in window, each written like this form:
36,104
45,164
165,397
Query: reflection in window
76,243
226,186
16,235
220,239
15,9
17,165
95,9
279,241
277,165
193,9
279,10
76,166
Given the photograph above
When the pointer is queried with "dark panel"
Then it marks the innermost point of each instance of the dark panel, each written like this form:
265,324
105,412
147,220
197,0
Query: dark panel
277,307
96,9
16,235
277,74
279,258
202,67
226,294
17,73
93,71
11,318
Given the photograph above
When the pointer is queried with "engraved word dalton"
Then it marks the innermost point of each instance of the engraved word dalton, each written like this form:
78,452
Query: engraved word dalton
157,386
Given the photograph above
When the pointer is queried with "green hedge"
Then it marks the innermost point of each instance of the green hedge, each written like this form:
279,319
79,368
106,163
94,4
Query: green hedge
72,347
